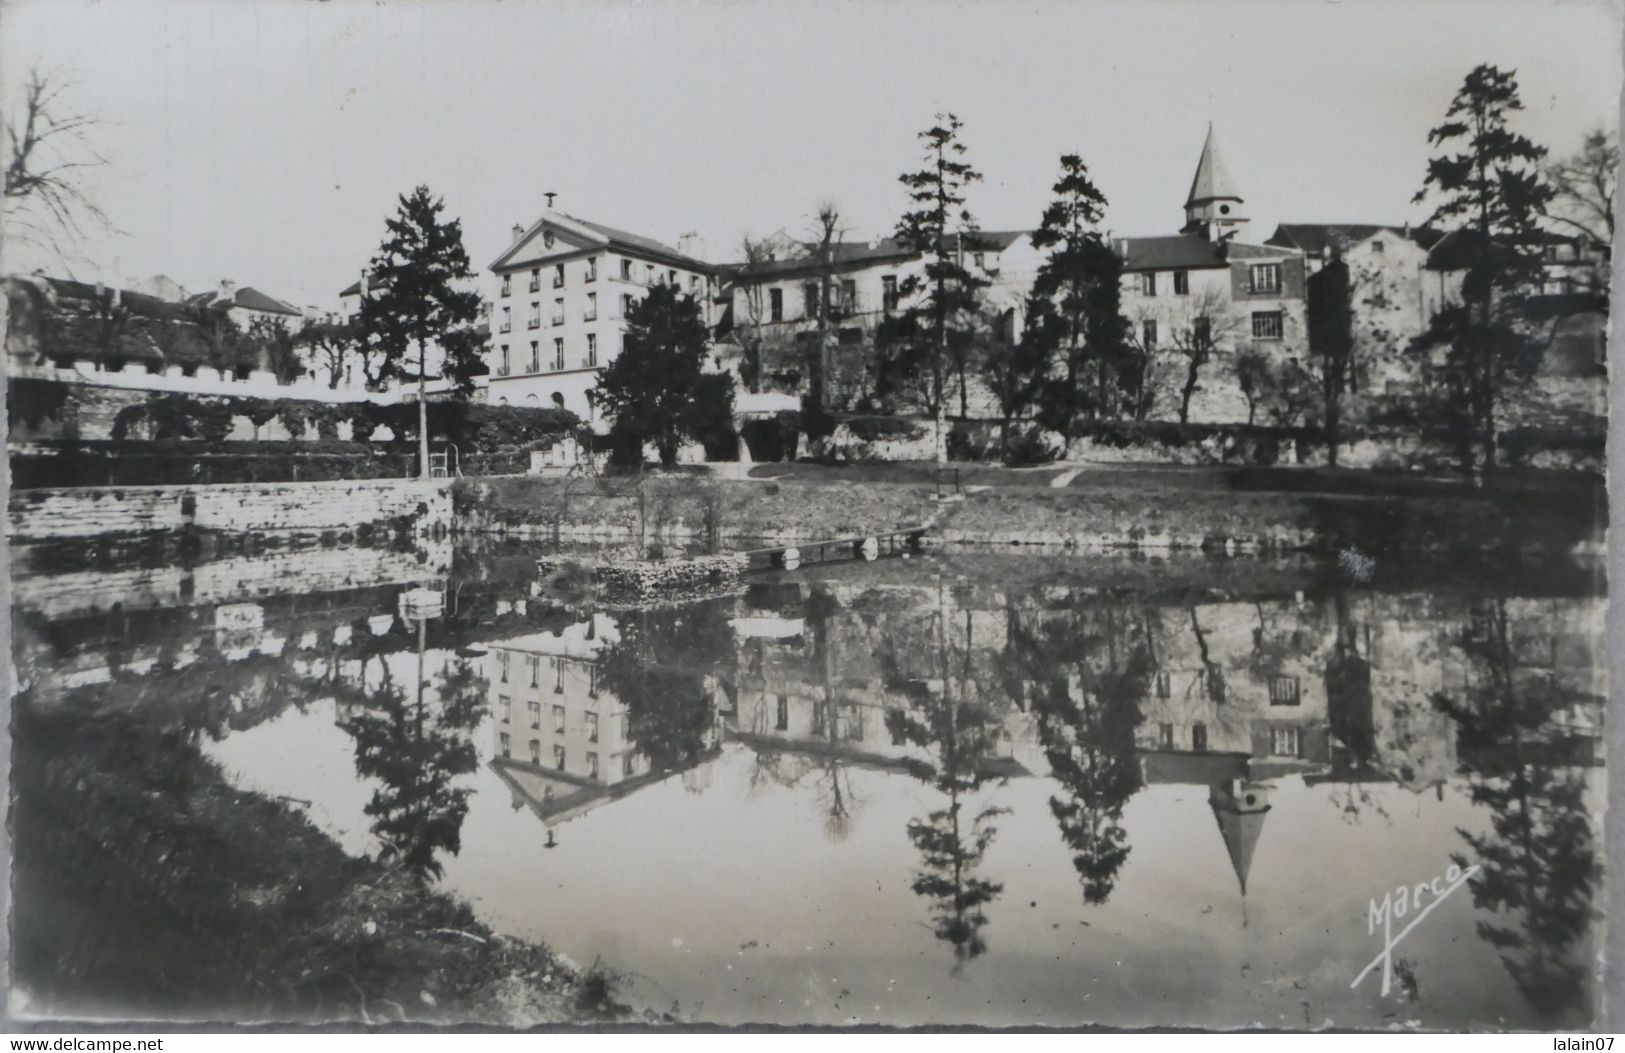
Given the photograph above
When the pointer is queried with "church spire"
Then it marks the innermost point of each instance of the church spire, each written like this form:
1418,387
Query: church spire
1212,208
1240,808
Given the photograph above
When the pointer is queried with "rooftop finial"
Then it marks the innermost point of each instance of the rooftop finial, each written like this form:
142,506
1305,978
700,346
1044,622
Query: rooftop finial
550,195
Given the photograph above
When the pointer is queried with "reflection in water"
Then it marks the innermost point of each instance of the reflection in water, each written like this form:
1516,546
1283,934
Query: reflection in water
1538,861
414,750
1085,684
1120,720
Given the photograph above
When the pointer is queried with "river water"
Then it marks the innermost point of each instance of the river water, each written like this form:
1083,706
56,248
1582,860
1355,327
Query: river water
955,789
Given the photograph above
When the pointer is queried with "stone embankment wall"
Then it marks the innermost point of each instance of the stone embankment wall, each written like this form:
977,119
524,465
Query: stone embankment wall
235,579
86,512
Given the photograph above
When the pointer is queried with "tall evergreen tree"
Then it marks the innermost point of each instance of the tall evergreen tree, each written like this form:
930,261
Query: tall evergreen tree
1491,194
1075,306
1331,342
925,346
655,389
416,298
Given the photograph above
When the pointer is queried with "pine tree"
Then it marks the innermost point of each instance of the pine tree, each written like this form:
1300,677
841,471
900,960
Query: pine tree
931,340
415,298
1074,314
1490,195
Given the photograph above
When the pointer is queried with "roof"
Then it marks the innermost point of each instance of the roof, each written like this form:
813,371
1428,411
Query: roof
1212,178
612,237
248,298
859,253
1189,252
1315,238
1455,249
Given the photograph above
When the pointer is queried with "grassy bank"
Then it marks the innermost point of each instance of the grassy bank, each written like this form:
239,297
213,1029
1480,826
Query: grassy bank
1389,515
154,888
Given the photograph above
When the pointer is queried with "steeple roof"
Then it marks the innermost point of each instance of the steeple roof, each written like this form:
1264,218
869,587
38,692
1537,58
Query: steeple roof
1212,177
1240,810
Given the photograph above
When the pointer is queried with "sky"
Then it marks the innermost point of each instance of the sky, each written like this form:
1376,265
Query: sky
265,141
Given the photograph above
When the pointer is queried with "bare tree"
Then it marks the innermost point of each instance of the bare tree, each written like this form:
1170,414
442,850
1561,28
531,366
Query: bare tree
828,234
754,255
47,151
1190,332
1585,184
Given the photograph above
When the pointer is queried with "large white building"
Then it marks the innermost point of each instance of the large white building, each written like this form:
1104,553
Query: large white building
560,297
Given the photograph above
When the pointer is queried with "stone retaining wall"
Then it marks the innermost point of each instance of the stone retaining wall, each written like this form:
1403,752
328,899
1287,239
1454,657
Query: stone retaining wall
85,512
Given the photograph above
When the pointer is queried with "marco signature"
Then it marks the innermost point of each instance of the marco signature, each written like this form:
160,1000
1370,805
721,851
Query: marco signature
1402,901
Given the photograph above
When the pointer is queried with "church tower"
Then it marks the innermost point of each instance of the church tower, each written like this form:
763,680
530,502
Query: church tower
1213,209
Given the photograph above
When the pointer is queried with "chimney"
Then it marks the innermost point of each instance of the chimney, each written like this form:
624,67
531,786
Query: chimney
362,286
691,245
518,232
228,290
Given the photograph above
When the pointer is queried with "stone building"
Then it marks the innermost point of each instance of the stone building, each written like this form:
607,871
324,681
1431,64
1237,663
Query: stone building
1207,293
560,295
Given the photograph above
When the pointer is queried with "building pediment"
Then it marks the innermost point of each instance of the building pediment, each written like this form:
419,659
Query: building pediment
548,240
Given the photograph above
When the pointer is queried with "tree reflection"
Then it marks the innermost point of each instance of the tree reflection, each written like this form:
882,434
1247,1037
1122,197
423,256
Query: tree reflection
1086,718
955,728
1538,863
415,751
661,668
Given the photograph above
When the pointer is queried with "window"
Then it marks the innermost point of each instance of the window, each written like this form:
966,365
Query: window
1265,277
1266,325
592,727
626,270
1376,246
627,765
506,744
1284,741
775,305
626,304
1284,691
1148,331
507,284
558,720
1182,283
1202,331
504,703
558,353
671,279
648,274
558,311
1164,685
502,665
592,350
558,276
1199,737
888,292
854,724
534,666
694,284
849,296
809,296
535,751
535,356
502,362
591,313
535,709
980,260
592,765
536,279
1165,736
558,676
558,757
782,723
507,319
1148,283
592,680
535,315
592,270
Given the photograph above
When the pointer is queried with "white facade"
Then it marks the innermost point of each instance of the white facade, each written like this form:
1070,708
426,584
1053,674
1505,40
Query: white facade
560,295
